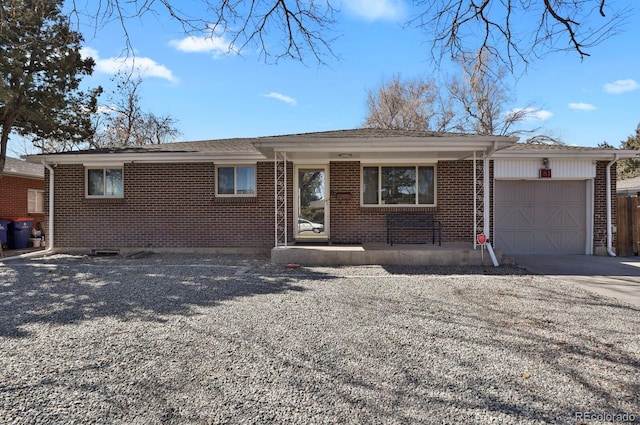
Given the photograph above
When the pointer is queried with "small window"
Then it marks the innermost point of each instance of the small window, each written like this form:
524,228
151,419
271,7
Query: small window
236,180
105,182
398,185
35,201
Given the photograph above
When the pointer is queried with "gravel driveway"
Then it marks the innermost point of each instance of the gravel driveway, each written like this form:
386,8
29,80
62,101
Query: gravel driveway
228,339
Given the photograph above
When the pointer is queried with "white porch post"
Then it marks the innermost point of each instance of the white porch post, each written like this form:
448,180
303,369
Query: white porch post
487,184
475,202
280,199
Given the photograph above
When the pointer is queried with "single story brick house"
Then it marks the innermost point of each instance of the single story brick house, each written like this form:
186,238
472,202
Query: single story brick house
335,186
22,190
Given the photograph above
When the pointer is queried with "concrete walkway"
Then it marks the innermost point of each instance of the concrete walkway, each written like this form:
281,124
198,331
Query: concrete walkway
617,277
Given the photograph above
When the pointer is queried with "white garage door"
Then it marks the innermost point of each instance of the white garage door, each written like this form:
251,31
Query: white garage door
540,217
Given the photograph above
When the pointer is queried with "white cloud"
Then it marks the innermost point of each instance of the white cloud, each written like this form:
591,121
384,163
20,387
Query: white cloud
542,115
102,109
217,45
582,106
621,86
142,67
532,114
282,98
372,10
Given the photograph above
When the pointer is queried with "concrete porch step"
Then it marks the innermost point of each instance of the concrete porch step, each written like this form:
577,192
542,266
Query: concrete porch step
451,254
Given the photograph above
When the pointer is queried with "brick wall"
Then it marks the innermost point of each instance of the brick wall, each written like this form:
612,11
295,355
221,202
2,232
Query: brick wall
13,197
351,223
600,207
164,206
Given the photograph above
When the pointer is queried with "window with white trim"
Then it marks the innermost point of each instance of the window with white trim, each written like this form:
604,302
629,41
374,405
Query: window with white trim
104,182
236,180
35,201
399,185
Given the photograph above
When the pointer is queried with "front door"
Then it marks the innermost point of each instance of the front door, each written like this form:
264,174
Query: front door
312,205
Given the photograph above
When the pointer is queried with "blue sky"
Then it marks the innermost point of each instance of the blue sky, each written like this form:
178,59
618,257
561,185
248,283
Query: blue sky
215,95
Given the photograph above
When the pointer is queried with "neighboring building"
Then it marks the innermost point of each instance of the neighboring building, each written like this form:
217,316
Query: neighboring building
629,187
22,190
335,186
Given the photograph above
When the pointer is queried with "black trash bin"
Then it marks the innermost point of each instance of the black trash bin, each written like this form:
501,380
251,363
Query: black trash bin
19,232
4,228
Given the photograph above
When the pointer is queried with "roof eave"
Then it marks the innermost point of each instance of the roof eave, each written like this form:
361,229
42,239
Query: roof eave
145,157
10,173
601,154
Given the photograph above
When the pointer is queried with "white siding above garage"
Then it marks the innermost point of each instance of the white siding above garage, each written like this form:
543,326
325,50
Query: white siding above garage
562,168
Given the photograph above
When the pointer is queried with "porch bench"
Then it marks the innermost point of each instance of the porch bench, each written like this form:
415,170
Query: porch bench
396,221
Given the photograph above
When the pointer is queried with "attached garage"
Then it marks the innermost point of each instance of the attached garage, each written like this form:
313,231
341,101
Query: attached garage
540,216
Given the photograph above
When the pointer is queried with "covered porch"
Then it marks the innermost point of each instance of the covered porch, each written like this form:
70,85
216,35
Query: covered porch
362,177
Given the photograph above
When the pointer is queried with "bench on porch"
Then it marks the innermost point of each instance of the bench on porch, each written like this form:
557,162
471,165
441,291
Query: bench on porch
396,221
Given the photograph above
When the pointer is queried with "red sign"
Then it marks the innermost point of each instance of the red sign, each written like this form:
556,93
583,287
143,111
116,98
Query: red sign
482,238
545,173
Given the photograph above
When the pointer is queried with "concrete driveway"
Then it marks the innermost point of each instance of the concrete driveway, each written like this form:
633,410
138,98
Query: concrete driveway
617,277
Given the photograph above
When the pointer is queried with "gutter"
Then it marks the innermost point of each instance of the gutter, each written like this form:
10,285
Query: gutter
49,250
608,195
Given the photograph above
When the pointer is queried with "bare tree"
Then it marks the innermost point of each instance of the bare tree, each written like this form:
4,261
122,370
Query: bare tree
123,122
475,103
301,28
481,97
512,30
413,104
515,30
544,139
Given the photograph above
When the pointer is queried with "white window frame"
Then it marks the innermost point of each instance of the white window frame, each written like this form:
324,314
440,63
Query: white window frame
235,193
416,204
104,168
39,201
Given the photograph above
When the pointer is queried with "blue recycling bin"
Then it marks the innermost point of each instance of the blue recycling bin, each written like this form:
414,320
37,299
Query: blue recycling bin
19,232
4,231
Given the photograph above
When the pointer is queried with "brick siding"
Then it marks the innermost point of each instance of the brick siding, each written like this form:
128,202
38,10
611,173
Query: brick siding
164,206
600,207
14,198
352,223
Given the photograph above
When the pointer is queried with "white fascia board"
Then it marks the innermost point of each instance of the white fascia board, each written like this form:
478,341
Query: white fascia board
22,175
151,157
604,155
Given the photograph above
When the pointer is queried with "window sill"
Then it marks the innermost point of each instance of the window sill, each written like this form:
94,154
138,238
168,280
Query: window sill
104,200
399,208
236,200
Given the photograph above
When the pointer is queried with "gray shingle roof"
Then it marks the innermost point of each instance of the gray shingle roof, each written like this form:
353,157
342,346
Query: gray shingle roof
222,146
366,133
245,145
19,167
542,147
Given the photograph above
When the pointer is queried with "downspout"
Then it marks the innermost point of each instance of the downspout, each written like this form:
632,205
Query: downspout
608,194
49,235
487,185
487,199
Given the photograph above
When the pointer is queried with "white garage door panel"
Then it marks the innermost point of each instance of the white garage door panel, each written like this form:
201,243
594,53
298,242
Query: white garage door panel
540,216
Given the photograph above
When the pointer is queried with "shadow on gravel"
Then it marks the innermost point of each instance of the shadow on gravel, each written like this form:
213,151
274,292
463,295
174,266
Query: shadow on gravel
70,292
504,269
